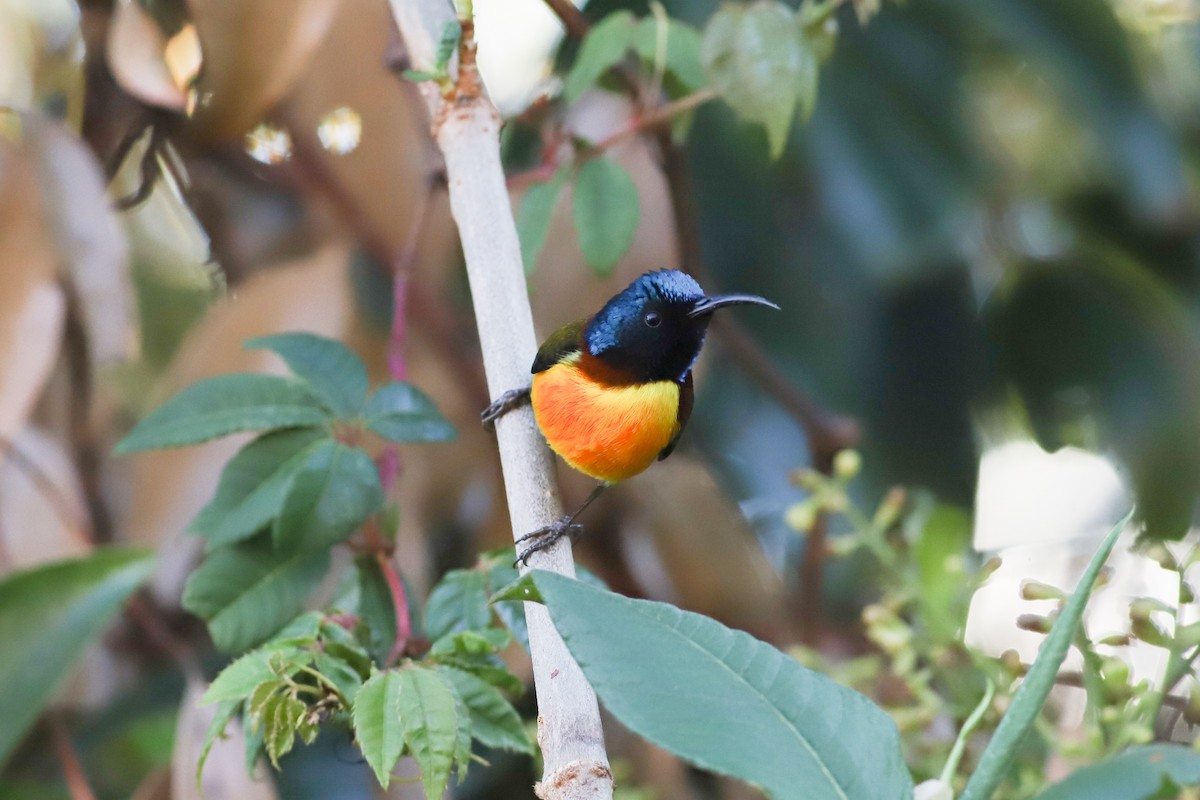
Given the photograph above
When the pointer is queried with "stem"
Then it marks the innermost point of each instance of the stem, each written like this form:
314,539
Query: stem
77,782
399,602
658,116
571,17
960,744
466,127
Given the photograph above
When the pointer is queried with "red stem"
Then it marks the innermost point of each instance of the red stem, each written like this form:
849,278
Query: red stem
399,602
77,783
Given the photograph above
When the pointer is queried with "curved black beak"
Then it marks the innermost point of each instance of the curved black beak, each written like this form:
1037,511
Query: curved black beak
711,304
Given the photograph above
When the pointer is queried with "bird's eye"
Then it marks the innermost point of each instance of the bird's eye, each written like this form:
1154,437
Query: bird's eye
653,319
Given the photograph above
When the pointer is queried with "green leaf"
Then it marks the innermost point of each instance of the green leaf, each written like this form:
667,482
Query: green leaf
216,729
533,218
341,673
726,701
447,44
494,721
377,723
375,609
1136,774
762,65
1039,680
471,644
429,715
239,680
330,369
223,405
279,731
939,552
254,485
336,490
400,412
606,212
48,615
458,603
682,53
249,591
604,46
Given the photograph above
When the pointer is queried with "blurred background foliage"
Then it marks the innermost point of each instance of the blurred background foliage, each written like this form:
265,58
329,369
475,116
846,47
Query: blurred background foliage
986,232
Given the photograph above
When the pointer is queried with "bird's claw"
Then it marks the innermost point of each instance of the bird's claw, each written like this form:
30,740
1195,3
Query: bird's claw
513,398
546,537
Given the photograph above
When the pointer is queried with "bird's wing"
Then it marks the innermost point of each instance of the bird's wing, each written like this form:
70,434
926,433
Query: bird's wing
559,344
686,396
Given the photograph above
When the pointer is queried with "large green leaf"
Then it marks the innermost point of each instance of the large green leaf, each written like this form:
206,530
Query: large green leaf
682,57
250,590
762,65
377,723
254,485
1035,688
223,405
335,491
606,212
48,615
724,700
604,46
533,217
458,603
1136,774
494,721
403,413
333,372
245,674
429,715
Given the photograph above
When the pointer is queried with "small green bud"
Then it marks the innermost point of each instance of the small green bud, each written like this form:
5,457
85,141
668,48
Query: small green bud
1115,640
801,516
847,464
890,509
1036,622
1036,590
1159,553
1145,629
989,568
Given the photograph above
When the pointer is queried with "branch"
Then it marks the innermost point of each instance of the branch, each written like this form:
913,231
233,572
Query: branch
571,17
466,127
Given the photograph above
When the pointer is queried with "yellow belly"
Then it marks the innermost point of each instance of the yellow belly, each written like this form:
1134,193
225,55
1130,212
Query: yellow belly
608,432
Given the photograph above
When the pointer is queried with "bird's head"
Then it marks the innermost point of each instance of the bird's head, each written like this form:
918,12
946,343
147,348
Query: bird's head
654,328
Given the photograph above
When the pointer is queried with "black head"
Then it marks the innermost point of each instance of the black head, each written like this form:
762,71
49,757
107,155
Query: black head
653,329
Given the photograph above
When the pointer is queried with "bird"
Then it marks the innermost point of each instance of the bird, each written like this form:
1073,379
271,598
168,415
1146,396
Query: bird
611,393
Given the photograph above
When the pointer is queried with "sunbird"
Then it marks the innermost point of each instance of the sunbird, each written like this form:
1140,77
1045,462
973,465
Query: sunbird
612,392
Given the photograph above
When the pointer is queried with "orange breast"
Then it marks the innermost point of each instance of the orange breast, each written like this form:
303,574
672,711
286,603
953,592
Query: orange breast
608,432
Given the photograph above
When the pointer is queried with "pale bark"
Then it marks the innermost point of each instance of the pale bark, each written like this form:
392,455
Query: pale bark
466,127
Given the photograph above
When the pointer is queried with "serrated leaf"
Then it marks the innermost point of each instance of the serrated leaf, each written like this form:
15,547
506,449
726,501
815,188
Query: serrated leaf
400,412
341,674
260,705
330,369
491,671
682,52
1039,680
245,674
430,720
606,212
1136,774
458,603
533,217
250,590
603,47
48,616
667,674
334,492
254,741
300,632
216,730
494,721
377,723
471,644
279,734
223,405
254,485
761,63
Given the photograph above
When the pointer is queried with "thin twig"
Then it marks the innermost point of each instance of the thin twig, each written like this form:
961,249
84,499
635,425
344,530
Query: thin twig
45,486
77,782
571,17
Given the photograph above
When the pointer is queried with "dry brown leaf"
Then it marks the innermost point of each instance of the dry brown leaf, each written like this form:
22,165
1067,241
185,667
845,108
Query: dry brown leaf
32,304
43,514
224,776
88,235
136,54
253,54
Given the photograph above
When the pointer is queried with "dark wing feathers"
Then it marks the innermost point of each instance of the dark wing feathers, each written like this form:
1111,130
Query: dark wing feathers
561,343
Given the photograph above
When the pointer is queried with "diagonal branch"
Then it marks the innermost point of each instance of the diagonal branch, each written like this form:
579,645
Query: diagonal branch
466,127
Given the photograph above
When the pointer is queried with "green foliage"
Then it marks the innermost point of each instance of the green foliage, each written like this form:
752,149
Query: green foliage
606,212
1031,696
763,65
458,603
667,674
434,721
335,491
223,405
328,367
533,217
376,723
608,43
447,45
1140,773
400,412
48,616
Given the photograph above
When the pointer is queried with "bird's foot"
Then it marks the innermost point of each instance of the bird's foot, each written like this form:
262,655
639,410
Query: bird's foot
513,398
546,537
